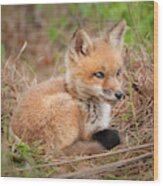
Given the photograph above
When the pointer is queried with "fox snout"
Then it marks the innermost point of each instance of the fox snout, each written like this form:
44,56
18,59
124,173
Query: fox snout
118,95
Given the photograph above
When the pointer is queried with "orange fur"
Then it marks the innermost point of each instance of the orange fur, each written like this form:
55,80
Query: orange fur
53,113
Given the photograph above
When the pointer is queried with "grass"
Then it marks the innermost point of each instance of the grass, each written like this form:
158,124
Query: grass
32,50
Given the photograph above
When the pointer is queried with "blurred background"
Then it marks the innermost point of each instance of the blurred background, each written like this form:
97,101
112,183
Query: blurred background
47,29
34,41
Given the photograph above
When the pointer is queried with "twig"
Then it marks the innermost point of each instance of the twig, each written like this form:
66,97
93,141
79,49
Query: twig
21,50
89,157
103,168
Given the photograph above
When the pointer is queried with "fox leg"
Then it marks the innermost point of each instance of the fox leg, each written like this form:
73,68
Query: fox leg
109,138
84,148
63,128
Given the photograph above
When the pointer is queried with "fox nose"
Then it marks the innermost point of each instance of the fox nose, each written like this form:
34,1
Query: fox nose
119,95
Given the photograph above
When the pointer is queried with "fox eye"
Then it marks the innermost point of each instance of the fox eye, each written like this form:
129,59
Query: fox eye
99,75
118,72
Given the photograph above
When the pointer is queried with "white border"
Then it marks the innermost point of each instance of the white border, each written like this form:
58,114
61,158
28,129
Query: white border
42,182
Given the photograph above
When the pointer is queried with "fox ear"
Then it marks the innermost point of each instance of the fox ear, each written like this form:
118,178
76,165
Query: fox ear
81,43
116,34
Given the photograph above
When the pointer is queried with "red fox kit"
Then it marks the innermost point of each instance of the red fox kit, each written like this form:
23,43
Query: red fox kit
72,113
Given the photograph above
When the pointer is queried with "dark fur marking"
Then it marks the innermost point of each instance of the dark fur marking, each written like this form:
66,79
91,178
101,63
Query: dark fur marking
109,138
88,106
94,108
94,120
95,115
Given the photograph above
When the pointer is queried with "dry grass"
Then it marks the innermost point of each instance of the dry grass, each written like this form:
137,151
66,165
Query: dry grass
133,117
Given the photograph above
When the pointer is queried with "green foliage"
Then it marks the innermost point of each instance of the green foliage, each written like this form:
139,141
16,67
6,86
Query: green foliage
24,150
126,116
53,33
139,17
39,6
22,154
2,53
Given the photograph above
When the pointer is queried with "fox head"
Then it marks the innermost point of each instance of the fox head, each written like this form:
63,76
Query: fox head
94,66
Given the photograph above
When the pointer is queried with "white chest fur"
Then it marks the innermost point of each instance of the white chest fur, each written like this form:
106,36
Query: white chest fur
105,119
98,116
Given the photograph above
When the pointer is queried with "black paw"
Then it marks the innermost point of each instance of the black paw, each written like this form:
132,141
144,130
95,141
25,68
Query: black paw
109,138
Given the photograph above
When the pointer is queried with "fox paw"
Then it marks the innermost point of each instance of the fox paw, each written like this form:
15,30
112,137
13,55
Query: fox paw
109,138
